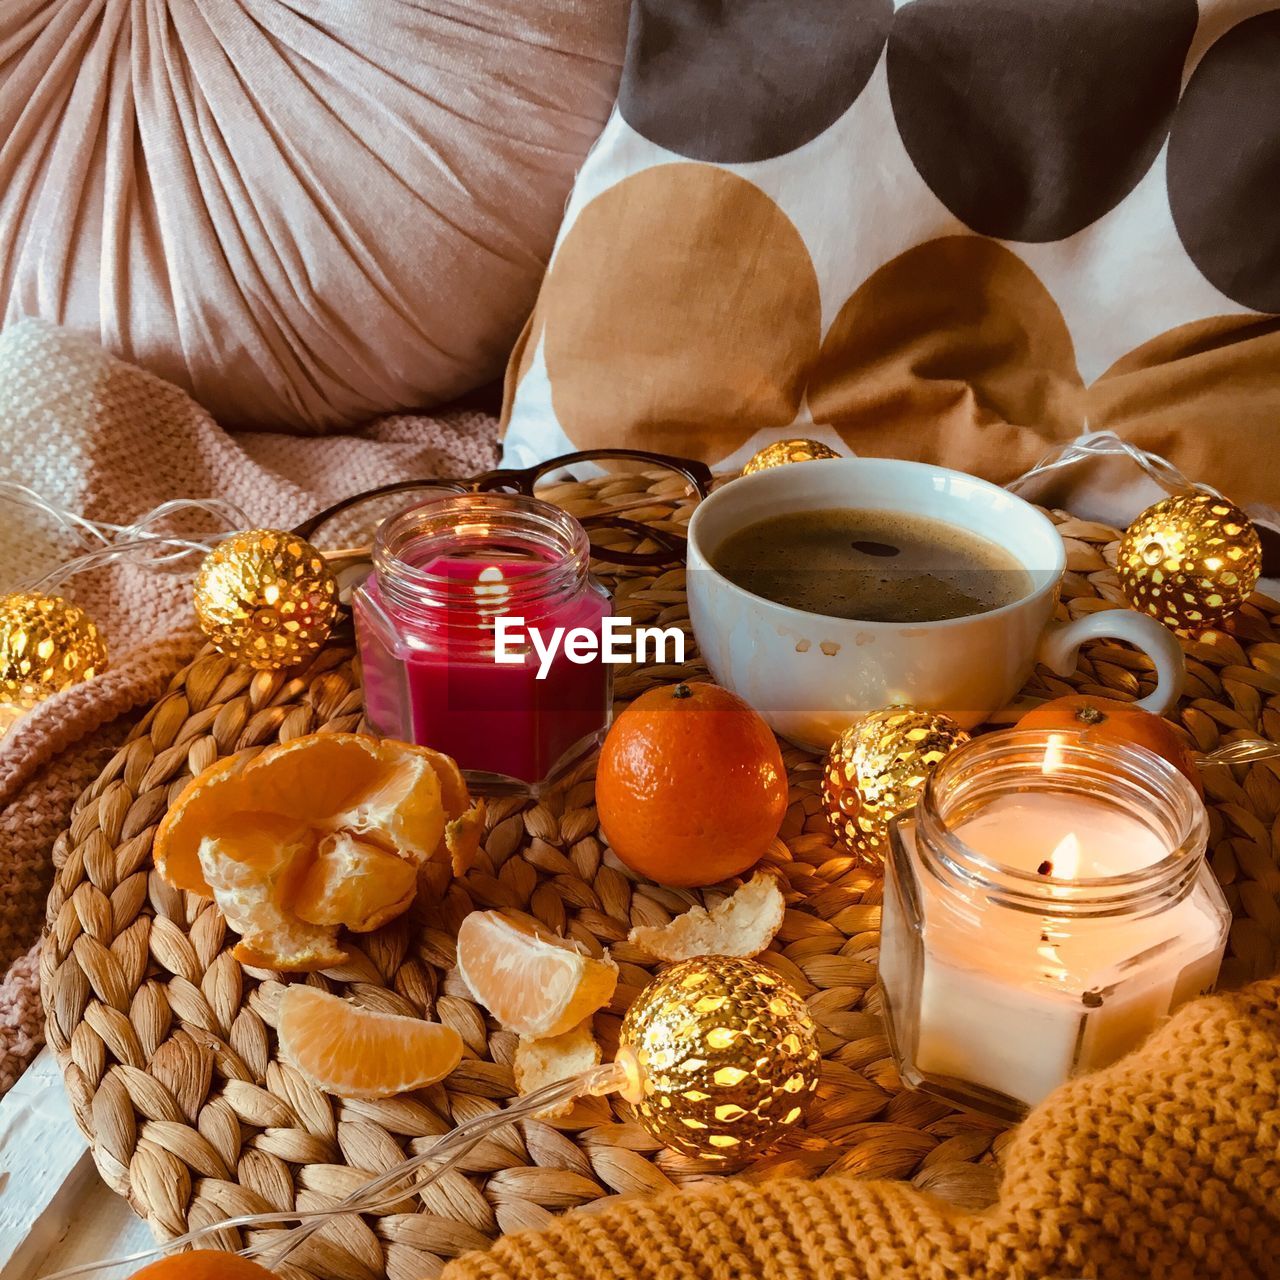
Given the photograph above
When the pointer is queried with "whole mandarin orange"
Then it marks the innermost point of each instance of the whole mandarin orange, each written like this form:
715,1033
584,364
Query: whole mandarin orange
204,1264
691,788
1109,720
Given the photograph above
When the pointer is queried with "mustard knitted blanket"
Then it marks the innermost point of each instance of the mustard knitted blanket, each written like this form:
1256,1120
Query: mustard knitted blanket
1166,1165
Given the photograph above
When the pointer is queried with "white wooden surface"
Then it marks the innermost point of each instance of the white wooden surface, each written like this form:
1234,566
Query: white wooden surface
55,1211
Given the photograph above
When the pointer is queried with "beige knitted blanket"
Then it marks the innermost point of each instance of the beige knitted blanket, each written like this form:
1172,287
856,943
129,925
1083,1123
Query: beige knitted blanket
102,438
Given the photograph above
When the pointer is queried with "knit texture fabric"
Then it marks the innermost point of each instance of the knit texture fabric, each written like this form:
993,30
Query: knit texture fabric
106,440
1166,1165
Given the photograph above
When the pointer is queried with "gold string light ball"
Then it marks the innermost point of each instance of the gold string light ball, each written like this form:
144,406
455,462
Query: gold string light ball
266,598
876,770
725,1057
1190,561
46,644
781,452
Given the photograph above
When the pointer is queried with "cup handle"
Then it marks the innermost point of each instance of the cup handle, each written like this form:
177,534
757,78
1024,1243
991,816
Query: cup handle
1061,642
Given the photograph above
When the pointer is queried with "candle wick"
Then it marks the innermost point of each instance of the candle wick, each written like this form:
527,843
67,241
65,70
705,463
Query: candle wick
1045,868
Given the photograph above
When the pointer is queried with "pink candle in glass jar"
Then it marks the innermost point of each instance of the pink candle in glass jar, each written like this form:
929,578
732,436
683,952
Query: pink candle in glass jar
426,619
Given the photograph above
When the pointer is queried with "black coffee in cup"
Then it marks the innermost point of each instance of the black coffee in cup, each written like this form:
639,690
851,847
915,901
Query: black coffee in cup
872,566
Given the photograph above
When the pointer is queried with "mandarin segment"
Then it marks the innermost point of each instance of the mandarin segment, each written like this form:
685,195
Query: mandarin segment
254,869
462,839
361,1053
399,806
355,883
532,981
255,861
291,947
323,831
539,1063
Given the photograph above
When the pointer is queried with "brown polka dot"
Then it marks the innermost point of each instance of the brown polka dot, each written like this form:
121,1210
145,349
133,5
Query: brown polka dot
519,363
681,314
1205,396
1203,342
953,353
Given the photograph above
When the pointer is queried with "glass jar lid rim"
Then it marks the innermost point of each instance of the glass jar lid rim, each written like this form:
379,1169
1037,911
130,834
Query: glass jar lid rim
1180,862
574,544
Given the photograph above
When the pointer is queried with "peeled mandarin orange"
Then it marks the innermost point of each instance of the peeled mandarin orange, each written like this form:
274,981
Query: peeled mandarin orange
323,831
690,787
532,981
361,1053
204,1264
406,795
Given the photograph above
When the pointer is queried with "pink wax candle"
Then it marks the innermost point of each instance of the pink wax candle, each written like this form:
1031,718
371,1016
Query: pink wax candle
426,622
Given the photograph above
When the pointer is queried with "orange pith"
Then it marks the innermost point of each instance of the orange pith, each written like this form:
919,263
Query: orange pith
323,831
691,787
532,981
204,1264
361,1053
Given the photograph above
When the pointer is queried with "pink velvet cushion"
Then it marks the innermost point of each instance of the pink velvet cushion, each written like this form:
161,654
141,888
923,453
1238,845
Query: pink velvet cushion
305,212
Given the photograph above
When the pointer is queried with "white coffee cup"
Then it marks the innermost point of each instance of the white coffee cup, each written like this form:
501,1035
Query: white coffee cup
811,675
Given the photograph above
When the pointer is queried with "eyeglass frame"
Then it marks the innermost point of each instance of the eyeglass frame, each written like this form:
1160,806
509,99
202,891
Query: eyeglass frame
522,480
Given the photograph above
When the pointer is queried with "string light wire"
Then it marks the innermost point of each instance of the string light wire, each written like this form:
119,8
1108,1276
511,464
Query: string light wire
383,1192
140,542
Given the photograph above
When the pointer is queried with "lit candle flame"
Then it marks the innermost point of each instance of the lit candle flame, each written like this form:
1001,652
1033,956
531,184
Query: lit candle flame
1065,858
1053,754
491,591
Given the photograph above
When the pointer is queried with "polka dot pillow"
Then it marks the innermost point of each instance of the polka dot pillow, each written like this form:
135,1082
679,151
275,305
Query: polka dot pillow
954,230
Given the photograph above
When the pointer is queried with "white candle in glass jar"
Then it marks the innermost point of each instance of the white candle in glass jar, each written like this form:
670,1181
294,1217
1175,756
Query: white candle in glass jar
1046,906
992,1005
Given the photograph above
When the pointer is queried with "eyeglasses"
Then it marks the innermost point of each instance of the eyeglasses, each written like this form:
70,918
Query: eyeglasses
619,496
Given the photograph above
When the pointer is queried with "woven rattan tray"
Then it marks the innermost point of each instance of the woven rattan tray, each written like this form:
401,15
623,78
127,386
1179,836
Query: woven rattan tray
166,1043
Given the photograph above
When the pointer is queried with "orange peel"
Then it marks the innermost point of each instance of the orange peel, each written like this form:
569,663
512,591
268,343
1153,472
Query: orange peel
742,925
539,1063
532,981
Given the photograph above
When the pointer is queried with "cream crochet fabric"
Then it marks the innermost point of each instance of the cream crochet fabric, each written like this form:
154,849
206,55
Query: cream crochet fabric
105,439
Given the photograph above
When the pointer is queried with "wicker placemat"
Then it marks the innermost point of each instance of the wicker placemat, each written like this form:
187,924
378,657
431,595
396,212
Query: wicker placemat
167,1047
